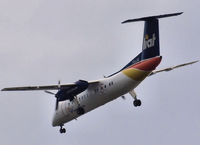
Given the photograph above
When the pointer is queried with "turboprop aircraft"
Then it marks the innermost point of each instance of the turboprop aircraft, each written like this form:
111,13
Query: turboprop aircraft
76,99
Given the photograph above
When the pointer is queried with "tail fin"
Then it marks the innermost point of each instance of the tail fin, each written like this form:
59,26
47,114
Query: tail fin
151,46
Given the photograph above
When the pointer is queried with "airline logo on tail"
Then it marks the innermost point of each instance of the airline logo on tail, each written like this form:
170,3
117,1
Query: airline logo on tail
148,43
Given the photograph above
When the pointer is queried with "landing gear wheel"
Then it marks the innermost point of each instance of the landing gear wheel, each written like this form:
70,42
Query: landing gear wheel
80,111
62,130
137,103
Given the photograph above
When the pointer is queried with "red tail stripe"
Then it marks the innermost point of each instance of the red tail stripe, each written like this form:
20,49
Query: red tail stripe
148,65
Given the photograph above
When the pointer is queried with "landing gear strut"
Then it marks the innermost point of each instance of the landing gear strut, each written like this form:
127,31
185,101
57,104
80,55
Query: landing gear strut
136,101
62,130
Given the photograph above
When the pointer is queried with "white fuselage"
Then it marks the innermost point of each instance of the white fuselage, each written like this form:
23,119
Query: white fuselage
96,95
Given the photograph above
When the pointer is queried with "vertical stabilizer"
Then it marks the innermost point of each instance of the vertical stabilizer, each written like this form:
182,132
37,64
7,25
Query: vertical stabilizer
151,47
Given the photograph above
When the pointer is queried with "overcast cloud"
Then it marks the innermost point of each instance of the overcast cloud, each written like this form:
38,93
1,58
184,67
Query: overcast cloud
43,41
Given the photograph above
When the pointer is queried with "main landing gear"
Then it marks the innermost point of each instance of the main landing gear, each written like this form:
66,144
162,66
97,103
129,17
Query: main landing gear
62,130
136,101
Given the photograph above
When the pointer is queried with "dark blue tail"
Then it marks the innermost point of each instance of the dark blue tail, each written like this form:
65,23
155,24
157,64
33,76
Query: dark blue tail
151,46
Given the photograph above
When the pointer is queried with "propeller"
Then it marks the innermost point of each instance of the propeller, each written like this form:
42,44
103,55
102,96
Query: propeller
59,84
57,101
51,93
48,92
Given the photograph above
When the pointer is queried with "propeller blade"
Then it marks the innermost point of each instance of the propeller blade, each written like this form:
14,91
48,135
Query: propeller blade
57,104
57,97
59,84
48,92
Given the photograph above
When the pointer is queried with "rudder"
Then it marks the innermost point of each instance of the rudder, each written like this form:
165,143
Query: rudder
151,47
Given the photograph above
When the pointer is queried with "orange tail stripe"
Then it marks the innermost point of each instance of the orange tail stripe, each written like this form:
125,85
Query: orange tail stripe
148,65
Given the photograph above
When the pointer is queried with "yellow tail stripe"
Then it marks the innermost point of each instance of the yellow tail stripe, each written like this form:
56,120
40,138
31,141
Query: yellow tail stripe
135,74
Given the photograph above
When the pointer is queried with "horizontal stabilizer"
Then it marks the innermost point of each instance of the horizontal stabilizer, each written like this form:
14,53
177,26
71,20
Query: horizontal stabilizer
172,68
151,17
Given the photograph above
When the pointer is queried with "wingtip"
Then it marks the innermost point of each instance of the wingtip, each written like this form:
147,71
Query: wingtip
123,22
180,13
195,61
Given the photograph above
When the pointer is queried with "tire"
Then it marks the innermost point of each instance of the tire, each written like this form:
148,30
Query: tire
63,130
137,103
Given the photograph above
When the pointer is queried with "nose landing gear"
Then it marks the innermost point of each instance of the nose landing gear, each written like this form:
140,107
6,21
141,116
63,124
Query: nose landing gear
62,130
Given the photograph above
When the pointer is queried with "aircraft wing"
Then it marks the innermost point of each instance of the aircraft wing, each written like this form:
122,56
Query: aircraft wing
172,68
49,87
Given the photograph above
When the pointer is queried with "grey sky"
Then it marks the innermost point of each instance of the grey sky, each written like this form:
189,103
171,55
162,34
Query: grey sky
42,41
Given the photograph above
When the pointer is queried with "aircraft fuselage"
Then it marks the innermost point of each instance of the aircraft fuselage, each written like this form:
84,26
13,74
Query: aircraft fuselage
107,90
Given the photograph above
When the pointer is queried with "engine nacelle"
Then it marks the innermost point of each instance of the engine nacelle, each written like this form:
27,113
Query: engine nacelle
69,93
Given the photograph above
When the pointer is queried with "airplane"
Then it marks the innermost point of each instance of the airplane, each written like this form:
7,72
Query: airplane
81,97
